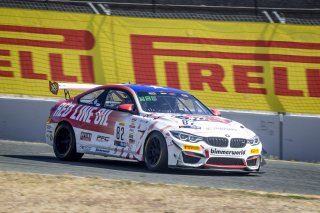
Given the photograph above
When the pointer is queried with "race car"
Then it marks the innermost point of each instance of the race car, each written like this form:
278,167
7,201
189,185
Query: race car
163,127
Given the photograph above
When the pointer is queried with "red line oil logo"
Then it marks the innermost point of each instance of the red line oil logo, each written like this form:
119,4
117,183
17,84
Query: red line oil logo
56,41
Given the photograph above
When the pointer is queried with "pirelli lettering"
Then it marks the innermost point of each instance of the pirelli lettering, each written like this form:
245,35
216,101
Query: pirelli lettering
144,64
55,38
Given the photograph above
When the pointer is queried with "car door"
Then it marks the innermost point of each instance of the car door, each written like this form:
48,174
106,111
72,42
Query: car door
121,122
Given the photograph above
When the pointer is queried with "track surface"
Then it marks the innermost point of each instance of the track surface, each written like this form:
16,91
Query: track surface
278,176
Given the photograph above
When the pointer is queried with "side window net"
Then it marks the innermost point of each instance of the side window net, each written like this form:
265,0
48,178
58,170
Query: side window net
92,98
115,98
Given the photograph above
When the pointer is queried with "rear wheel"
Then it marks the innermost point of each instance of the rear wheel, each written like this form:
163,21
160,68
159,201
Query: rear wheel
156,152
64,144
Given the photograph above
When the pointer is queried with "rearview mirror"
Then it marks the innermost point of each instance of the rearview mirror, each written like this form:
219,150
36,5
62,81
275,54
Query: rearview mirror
215,112
126,107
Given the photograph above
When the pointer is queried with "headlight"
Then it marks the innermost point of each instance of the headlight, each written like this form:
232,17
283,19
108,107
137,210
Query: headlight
186,136
254,141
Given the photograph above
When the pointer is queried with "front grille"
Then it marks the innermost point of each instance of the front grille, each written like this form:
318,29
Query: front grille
190,159
217,141
238,142
225,161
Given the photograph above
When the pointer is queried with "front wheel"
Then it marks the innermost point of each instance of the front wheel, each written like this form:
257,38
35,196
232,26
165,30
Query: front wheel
156,152
64,144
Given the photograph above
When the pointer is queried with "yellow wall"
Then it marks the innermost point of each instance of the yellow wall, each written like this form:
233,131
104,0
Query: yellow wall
235,65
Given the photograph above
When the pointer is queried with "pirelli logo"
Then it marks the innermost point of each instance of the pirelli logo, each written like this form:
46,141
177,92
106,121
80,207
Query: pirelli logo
50,41
243,58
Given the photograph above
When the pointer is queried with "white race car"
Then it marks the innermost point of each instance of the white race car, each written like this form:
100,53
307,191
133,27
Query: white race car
163,127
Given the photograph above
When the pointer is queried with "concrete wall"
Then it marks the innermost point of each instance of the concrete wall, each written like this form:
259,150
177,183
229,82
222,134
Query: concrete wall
265,125
301,138
24,119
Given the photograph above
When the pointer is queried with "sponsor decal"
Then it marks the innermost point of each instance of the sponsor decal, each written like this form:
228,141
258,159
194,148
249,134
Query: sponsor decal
122,124
105,151
227,152
192,119
132,126
254,151
190,127
102,138
147,98
220,129
83,113
131,141
85,136
120,143
191,148
63,110
88,148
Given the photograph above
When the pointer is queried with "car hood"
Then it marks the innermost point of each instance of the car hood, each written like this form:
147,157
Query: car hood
204,125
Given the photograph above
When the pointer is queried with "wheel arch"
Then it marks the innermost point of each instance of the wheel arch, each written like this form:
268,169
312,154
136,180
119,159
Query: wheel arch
62,122
148,136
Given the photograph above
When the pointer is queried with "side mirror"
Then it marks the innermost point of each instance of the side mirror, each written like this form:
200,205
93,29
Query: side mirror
215,112
126,107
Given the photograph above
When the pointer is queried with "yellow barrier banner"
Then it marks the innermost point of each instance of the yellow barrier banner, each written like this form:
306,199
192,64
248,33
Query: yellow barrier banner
38,46
232,65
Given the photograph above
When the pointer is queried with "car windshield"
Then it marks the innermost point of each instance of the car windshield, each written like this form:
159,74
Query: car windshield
163,102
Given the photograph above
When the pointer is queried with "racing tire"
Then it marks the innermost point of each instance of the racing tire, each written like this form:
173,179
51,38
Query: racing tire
156,152
64,144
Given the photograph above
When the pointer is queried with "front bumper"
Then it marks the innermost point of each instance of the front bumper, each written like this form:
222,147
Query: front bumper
251,163
248,158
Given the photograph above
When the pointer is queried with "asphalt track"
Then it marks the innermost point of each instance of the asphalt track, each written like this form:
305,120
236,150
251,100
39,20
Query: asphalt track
276,176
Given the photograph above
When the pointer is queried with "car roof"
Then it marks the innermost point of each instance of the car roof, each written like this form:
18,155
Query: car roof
153,88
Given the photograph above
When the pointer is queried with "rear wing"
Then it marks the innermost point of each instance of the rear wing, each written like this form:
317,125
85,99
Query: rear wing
54,87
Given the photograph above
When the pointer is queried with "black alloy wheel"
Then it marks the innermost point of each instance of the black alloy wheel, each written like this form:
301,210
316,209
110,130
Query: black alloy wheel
63,141
156,152
153,151
64,144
